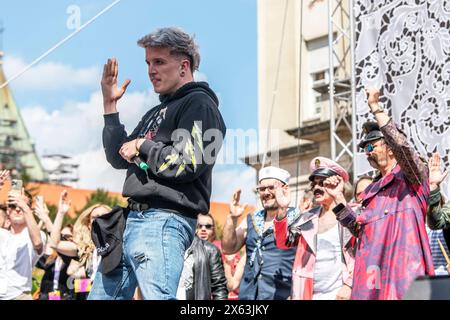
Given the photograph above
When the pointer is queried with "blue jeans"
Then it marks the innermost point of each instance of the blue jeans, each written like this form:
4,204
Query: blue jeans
153,256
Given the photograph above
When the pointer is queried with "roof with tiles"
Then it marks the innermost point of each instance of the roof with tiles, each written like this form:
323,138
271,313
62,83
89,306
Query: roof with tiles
51,193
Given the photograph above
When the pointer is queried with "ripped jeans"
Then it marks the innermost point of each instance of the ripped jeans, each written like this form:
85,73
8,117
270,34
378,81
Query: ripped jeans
153,255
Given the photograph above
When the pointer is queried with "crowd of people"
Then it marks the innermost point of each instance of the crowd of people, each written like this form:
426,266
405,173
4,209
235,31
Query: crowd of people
66,254
371,243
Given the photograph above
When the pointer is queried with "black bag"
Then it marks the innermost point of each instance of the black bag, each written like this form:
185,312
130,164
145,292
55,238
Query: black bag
107,235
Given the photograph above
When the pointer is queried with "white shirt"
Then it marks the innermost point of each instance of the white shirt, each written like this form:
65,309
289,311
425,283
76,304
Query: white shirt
17,259
328,267
187,276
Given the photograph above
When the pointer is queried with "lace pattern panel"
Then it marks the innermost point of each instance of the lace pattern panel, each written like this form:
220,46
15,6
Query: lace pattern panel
403,47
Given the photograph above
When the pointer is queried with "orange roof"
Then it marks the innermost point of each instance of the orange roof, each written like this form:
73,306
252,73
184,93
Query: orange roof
51,193
220,212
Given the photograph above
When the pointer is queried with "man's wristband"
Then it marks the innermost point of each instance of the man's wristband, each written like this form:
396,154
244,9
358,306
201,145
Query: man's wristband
338,208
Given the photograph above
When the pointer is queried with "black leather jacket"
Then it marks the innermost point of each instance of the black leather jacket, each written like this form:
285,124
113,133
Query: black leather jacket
209,275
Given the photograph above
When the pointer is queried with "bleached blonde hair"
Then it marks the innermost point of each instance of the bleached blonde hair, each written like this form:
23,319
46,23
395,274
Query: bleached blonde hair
82,234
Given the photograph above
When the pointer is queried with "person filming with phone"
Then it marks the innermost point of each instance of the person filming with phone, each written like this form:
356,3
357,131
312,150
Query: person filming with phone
20,246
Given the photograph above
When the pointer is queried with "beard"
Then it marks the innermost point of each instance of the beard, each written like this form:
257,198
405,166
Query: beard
270,206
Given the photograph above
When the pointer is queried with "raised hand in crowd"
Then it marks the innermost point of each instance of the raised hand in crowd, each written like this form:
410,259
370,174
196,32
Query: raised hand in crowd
373,100
20,204
4,175
42,213
18,200
306,203
373,97
67,248
236,209
334,186
64,203
436,176
283,199
233,237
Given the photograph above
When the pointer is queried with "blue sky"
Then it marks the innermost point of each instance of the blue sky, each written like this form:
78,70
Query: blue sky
58,97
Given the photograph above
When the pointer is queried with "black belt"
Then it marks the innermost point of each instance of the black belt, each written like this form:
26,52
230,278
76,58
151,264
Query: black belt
137,206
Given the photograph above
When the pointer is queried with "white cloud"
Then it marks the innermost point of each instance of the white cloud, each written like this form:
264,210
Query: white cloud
76,131
50,76
226,181
77,127
95,172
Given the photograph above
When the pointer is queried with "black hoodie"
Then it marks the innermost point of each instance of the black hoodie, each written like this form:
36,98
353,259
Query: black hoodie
180,161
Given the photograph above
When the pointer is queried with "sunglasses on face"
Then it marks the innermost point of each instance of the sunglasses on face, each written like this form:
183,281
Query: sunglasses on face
207,226
66,237
369,147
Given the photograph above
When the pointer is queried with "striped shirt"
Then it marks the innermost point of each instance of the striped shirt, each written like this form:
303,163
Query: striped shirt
439,261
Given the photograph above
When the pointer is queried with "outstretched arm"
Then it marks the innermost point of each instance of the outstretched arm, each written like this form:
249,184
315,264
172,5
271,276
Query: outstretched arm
114,134
4,175
41,211
233,237
414,169
438,215
285,236
20,200
65,247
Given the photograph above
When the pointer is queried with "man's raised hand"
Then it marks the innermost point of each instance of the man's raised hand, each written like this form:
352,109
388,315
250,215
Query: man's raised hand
111,92
373,97
237,209
436,175
334,186
283,197
64,203
4,174
40,208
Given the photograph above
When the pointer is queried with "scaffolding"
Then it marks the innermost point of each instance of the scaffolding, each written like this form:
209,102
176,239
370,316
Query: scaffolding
17,150
341,41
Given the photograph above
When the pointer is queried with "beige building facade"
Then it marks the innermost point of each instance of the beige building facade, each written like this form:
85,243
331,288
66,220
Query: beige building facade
293,87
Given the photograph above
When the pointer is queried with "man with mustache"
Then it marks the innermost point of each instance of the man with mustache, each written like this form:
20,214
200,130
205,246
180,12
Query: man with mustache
268,270
393,244
324,260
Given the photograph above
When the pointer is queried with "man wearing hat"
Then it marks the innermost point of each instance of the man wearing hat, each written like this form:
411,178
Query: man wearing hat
268,269
393,245
324,260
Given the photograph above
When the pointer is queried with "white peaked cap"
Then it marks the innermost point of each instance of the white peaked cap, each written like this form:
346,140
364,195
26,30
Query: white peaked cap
274,173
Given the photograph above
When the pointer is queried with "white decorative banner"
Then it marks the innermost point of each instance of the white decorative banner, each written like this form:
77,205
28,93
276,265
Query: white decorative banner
403,47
